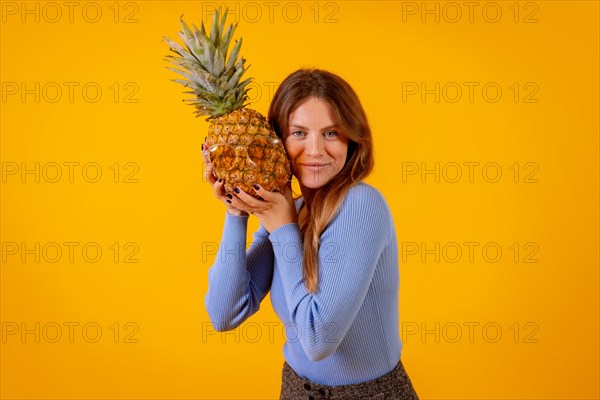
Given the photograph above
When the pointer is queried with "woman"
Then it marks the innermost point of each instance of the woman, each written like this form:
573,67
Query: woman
328,257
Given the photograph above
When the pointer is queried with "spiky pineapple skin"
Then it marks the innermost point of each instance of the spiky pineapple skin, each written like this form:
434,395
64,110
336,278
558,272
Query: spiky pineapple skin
245,150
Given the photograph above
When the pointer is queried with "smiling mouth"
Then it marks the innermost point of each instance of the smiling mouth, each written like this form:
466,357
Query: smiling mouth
314,165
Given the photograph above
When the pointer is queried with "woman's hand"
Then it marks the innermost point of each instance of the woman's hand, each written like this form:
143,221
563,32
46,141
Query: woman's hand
276,209
217,184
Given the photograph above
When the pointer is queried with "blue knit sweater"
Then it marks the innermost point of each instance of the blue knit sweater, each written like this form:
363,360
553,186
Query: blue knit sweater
345,333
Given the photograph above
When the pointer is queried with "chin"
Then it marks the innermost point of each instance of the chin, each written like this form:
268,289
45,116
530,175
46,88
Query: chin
311,183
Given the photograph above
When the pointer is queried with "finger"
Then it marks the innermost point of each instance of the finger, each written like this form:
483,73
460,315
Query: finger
238,203
222,194
209,174
249,200
206,153
264,194
219,189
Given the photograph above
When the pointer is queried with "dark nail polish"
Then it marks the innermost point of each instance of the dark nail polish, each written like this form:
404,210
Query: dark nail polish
229,201
237,190
256,187
220,180
229,195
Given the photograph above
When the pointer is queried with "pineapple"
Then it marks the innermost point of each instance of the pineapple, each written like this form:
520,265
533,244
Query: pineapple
243,147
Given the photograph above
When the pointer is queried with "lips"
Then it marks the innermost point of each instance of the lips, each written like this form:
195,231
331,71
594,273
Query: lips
315,167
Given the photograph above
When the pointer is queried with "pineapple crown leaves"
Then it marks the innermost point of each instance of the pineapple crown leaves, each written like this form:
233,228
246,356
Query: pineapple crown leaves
213,77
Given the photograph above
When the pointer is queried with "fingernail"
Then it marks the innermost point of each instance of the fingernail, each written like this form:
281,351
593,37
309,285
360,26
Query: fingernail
203,148
229,195
229,201
220,180
237,190
256,187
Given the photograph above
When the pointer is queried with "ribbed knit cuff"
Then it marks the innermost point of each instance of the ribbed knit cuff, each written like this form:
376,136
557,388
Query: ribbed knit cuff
235,222
240,216
286,227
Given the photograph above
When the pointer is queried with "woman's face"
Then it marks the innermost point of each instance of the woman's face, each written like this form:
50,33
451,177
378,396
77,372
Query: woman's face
314,143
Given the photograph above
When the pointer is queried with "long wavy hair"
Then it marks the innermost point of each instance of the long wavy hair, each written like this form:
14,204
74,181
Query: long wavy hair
352,119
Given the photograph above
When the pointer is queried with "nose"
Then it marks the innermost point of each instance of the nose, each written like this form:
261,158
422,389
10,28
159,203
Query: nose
315,145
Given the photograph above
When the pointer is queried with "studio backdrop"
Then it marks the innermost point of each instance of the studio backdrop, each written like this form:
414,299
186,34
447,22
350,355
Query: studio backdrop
485,126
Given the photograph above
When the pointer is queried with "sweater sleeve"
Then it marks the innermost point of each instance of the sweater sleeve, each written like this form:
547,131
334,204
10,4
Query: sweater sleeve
349,250
238,280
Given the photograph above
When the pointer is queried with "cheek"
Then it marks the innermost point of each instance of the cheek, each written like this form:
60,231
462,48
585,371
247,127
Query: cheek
292,152
341,153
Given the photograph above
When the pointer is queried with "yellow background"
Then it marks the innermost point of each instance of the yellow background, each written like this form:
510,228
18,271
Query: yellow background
169,214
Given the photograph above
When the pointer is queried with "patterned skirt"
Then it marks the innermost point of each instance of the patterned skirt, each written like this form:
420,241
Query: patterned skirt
395,385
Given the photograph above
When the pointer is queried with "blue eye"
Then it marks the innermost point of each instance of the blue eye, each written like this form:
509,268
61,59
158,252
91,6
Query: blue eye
294,133
333,132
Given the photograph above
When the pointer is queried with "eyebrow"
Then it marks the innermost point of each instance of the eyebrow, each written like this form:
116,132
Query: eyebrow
305,128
